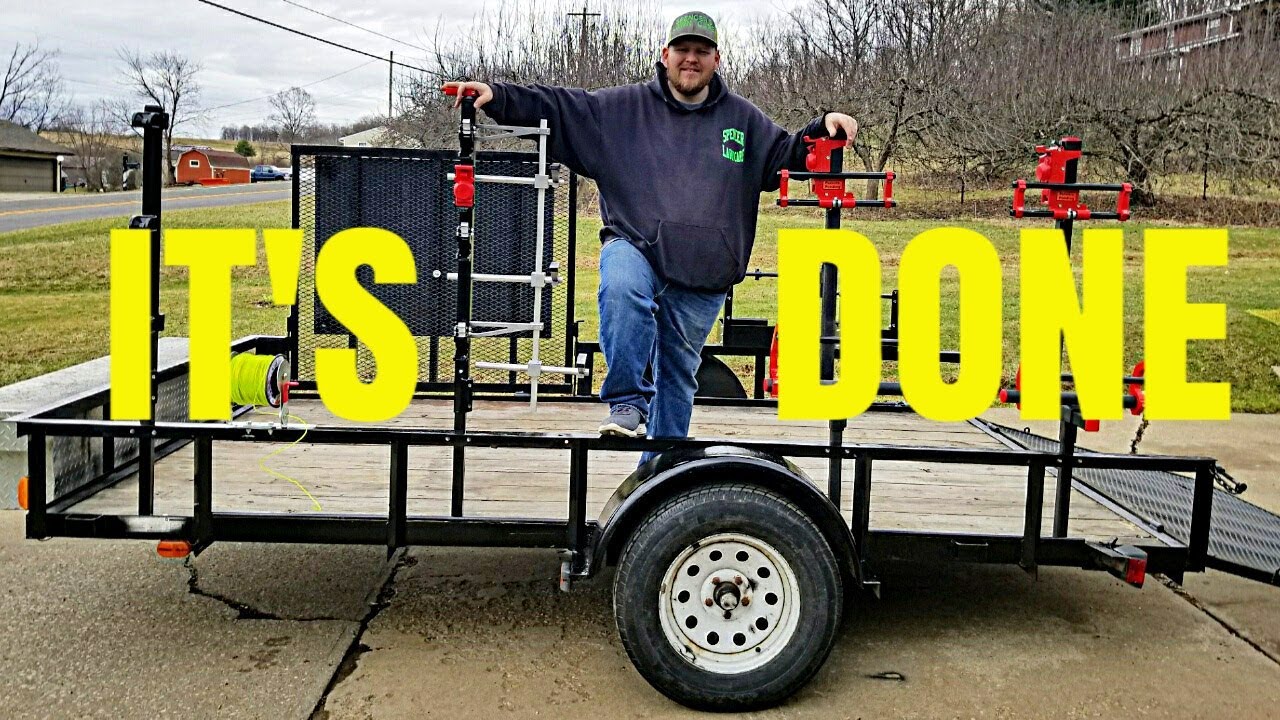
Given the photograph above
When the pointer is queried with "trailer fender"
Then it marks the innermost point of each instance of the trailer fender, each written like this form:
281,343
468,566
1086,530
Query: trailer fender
673,472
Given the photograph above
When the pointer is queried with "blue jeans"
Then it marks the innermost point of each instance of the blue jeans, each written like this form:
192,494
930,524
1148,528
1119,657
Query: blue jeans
644,319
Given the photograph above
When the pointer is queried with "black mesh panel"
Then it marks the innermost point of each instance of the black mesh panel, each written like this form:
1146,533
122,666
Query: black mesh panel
1240,533
407,192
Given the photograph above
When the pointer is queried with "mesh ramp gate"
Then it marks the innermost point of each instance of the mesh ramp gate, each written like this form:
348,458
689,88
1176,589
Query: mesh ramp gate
408,192
1244,539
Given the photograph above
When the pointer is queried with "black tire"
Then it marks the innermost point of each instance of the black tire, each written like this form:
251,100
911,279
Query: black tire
669,533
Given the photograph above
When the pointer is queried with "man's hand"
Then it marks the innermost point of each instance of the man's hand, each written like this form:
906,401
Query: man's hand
483,92
837,122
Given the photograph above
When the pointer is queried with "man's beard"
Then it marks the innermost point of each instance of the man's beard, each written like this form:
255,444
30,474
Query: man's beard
692,87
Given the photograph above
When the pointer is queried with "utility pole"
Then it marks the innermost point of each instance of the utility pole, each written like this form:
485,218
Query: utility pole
391,75
582,37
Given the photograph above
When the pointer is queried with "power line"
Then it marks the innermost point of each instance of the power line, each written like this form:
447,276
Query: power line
325,101
97,85
267,97
428,51
320,39
368,107
351,24
325,116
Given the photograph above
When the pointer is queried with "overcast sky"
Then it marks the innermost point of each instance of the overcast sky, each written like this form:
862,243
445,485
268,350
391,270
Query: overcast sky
245,61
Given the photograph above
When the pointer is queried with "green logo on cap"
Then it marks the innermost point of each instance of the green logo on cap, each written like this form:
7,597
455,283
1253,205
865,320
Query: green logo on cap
733,144
693,20
693,23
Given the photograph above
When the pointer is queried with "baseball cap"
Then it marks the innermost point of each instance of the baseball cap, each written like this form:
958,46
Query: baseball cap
693,24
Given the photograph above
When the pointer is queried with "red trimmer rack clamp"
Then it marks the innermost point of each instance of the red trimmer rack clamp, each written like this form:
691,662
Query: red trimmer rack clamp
1056,179
464,185
1133,400
830,193
828,185
1059,191
824,169
771,379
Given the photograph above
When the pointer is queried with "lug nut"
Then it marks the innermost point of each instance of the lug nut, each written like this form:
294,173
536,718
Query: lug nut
746,601
737,580
709,603
715,580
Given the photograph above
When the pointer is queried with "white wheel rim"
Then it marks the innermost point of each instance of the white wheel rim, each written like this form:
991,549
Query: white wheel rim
746,580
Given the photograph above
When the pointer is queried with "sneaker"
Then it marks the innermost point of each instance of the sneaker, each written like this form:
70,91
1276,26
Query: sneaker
623,421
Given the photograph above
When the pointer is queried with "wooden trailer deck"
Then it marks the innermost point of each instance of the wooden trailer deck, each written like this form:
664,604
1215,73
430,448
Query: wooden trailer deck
511,482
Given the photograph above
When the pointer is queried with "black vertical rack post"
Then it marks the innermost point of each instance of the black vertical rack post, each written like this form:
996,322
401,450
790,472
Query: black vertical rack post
1057,178
464,200
825,172
152,121
1074,147
829,290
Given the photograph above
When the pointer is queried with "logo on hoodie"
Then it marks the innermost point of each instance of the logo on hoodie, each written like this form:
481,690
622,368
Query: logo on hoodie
734,143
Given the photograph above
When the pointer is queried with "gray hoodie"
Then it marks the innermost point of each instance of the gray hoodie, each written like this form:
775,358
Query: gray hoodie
681,185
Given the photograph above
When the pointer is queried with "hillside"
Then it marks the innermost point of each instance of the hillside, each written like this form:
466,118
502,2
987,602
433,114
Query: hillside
269,153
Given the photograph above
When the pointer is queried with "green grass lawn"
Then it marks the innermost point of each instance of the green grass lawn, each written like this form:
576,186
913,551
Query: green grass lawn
1193,185
1250,281
54,291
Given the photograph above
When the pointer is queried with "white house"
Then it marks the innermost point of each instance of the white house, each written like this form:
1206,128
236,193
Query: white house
373,137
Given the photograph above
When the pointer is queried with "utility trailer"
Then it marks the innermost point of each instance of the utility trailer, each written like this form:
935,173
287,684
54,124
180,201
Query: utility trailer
735,549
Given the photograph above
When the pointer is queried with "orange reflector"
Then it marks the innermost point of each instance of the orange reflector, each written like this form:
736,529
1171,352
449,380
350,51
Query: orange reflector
22,493
173,548
1136,571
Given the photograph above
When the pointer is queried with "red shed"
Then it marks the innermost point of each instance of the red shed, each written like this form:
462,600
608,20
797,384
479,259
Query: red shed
212,167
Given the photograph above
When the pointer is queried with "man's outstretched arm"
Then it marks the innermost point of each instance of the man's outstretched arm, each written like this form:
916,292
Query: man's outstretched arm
571,114
789,149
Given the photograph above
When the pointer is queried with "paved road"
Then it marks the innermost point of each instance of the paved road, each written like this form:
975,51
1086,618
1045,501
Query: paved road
25,210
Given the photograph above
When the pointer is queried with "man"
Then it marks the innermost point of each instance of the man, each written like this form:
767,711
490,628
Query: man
680,163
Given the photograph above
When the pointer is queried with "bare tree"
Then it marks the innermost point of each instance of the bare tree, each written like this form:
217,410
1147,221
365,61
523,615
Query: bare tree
888,63
295,113
1130,13
166,79
1015,92
32,92
958,88
1155,116
98,140
967,87
523,44
519,43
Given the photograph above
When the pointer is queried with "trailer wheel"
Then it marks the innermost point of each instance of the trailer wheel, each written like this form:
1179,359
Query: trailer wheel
728,598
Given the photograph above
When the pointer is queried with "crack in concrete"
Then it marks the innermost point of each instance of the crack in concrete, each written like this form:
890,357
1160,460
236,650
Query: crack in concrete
1137,437
244,611
386,591
1182,593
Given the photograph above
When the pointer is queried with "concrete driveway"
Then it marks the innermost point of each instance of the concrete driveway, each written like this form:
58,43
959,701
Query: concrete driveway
98,629
473,634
